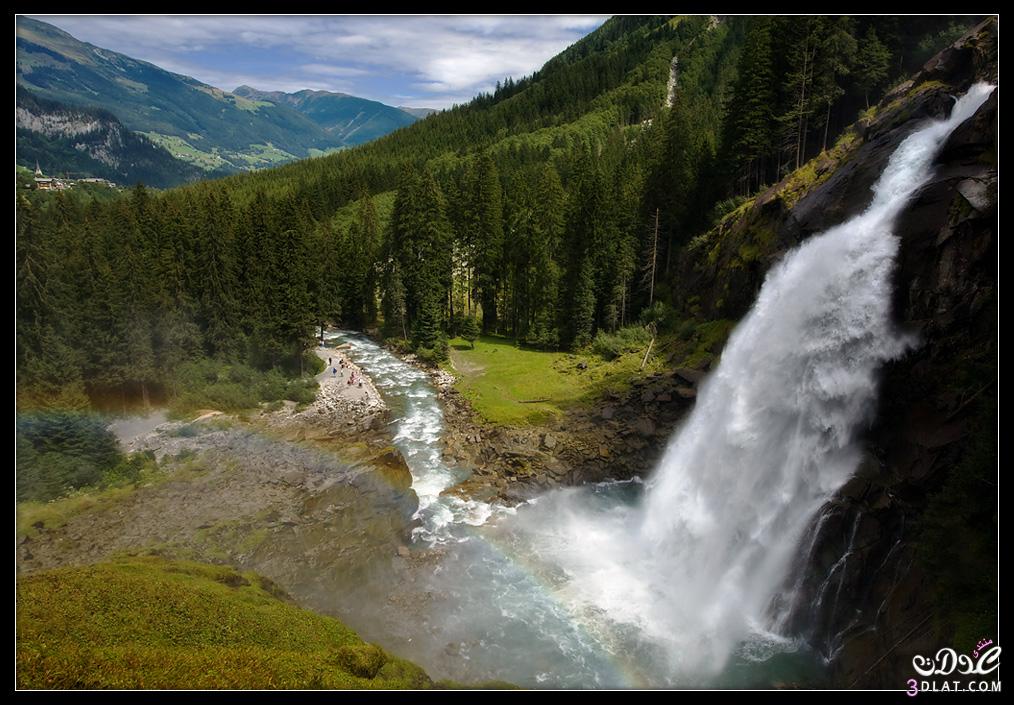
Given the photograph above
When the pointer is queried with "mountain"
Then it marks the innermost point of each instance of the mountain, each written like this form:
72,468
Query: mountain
78,142
348,119
418,112
198,124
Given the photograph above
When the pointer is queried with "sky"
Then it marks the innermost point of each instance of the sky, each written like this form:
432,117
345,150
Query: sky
428,61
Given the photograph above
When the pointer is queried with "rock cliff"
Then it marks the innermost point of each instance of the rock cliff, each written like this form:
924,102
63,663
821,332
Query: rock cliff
902,560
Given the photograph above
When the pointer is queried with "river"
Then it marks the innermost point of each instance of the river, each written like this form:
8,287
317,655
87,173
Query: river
508,597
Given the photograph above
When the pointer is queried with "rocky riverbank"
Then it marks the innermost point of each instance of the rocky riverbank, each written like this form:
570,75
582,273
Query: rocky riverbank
347,406
619,437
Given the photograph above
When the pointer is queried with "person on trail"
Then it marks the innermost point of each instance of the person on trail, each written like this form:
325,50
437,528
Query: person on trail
334,371
329,362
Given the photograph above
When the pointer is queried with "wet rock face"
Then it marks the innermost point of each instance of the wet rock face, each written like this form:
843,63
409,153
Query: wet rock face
864,598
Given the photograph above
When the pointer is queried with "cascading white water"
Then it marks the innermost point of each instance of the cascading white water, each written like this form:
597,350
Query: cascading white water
773,434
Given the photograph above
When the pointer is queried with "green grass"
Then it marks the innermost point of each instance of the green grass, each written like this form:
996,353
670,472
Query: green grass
261,155
497,376
183,150
151,623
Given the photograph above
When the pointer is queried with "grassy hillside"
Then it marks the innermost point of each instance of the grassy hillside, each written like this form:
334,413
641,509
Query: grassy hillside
152,623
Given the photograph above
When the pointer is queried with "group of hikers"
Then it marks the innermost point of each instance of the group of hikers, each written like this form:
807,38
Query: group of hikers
353,378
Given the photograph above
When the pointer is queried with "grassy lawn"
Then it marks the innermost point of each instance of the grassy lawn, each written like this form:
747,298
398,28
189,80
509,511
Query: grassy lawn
151,623
497,376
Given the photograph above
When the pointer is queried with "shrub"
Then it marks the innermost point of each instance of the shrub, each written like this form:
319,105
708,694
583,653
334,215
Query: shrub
233,387
60,451
434,355
301,391
628,339
470,330
659,313
129,470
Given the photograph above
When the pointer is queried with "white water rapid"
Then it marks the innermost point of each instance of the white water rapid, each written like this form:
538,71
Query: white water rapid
669,583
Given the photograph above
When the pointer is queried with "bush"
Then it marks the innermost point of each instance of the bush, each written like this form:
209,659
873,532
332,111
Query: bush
59,451
470,330
661,314
723,208
301,391
685,330
234,387
434,355
272,386
629,339
398,345
130,470
544,338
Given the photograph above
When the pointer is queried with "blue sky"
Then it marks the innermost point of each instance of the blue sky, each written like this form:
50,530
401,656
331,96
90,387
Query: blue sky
417,61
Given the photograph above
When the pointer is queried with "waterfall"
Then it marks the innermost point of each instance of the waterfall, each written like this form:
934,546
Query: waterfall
670,582
685,578
774,431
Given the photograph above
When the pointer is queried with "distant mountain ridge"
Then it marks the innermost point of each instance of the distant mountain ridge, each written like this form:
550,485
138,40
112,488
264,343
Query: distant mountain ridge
419,112
197,124
347,118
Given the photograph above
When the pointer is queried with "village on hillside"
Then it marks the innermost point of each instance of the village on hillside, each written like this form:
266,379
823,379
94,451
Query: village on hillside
42,182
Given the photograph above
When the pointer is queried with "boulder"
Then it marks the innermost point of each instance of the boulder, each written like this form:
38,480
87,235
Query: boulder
644,426
690,376
393,468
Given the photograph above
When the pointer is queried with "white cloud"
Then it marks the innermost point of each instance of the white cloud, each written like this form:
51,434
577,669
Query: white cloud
329,70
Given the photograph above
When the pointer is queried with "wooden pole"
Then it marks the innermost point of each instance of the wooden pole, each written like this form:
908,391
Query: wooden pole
646,353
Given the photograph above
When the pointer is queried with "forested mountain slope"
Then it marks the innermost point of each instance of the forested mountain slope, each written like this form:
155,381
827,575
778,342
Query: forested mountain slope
79,142
553,210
